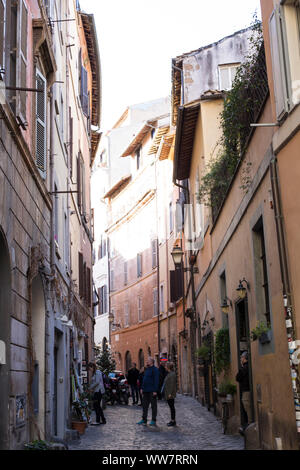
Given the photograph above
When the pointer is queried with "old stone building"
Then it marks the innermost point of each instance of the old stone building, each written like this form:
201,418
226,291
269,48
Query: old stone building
38,323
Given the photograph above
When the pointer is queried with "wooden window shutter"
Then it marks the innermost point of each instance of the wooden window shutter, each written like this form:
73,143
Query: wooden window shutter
2,35
88,286
79,199
173,293
41,160
71,141
80,273
84,294
84,91
278,63
22,35
139,265
105,299
100,302
154,253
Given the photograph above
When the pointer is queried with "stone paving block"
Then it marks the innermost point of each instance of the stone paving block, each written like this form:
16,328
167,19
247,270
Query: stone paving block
197,429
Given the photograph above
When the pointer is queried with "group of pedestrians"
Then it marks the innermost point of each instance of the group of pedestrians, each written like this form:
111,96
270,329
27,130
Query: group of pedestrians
156,384
147,386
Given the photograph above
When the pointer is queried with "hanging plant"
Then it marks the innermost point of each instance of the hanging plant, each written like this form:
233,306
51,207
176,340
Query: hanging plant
222,350
261,332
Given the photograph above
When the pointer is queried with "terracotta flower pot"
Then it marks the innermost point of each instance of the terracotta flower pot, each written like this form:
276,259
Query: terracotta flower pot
79,426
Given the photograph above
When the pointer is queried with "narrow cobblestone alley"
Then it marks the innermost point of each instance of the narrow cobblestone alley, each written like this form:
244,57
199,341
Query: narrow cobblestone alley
197,429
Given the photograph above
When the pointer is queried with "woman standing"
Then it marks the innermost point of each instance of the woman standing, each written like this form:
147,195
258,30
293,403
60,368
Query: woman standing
169,391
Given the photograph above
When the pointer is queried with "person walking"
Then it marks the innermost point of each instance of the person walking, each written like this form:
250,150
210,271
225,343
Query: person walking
169,391
149,391
243,378
132,377
97,388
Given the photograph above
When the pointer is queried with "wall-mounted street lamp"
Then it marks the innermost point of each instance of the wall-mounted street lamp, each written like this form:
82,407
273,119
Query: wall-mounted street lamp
241,290
225,305
177,255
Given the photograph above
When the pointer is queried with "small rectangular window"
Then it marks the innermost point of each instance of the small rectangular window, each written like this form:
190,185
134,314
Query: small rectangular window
227,75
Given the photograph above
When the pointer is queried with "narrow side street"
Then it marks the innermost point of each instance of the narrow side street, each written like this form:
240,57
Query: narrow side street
197,429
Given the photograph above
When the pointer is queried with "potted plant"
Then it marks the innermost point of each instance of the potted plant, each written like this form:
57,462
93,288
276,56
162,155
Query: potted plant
262,332
81,413
226,390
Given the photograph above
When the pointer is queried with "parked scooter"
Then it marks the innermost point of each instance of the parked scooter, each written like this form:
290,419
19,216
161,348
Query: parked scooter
123,390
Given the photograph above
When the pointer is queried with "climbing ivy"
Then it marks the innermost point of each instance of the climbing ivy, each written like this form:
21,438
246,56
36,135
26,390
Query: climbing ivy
242,105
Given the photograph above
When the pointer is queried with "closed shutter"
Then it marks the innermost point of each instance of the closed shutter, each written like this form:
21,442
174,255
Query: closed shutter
155,303
41,161
105,299
22,58
2,35
79,189
84,91
154,253
71,141
80,274
100,302
125,272
139,265
88,286
279,65
176,284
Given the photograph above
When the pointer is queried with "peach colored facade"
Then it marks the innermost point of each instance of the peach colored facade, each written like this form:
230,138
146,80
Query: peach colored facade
229,253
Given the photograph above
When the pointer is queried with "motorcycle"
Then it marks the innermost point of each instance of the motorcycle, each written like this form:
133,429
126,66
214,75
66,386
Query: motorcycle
123,391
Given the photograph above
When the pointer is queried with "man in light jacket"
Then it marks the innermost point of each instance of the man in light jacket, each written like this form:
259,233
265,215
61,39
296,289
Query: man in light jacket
97,388
149,391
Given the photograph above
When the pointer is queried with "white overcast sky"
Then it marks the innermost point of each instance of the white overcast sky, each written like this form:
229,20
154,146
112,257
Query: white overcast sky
138,39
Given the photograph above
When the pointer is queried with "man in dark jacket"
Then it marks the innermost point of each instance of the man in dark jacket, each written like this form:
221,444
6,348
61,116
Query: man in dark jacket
243,378
149,390
132,377
162,375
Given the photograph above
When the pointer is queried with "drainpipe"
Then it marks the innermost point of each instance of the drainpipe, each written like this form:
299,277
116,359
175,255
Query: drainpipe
293,343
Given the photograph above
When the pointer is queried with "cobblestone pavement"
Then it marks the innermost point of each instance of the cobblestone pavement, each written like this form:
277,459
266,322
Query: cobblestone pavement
197,429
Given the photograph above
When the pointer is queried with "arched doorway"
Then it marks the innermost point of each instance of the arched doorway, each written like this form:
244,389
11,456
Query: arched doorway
127,361
38,386
5,311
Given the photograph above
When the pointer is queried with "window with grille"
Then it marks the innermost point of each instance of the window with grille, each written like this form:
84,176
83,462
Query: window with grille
41,159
